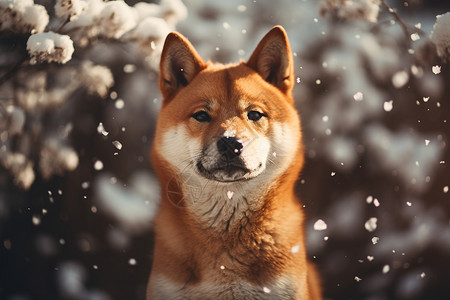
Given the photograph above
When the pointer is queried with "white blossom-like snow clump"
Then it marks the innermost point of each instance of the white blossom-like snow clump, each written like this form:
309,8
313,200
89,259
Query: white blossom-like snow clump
12,120
50,47
97,79
355,9
172,11
69,8
56,158
150,33
20,168
441,35
115,19
134,207
23,16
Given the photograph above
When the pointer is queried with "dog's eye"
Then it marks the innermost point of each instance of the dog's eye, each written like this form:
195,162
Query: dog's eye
254,115
202,116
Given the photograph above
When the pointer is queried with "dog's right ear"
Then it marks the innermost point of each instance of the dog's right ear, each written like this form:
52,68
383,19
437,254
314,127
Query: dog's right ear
180,63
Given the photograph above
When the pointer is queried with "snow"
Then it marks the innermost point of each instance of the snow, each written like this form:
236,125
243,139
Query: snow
56,158
400,151
388,105
356,9
96,78
400,78
173,11
70,9
436,69
441,35
118,145
320,225
150,33
351,75
371,224
116,19
133,207
230,194
23,16
20,167
50,47
101,129
36,220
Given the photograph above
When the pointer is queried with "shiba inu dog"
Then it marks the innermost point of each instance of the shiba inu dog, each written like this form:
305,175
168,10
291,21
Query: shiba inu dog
228,151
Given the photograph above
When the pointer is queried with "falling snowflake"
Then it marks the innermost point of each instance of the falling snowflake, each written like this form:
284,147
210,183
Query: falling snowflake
388,105
436,69
358,96
376,202
371,224
415,36
101,130
36,220
230,194
295,249
98,165
320,225
117,144
400,79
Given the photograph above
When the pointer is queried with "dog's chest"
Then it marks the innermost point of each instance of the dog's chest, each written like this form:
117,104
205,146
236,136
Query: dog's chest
221,208
283,288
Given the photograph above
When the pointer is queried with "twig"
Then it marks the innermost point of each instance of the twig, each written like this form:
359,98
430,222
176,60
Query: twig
398,18
13,70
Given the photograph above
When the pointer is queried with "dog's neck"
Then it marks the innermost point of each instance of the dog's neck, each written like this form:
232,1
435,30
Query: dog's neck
223,208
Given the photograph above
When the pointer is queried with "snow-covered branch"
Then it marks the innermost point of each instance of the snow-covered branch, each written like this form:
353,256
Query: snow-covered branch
63,63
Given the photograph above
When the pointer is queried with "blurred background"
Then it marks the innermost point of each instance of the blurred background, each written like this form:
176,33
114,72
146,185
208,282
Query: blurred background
77,190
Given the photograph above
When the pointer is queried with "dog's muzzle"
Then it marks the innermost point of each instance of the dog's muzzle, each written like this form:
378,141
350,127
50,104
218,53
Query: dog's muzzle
225,164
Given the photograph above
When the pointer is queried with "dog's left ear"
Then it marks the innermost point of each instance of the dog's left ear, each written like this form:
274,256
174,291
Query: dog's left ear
272,59
180,63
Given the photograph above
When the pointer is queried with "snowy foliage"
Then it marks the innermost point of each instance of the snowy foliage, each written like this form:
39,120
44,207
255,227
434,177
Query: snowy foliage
75,175
69,8
133,207
23,16
75,37
441,35
353,9
96,78
50,47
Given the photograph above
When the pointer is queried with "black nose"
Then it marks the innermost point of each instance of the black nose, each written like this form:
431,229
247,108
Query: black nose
229,147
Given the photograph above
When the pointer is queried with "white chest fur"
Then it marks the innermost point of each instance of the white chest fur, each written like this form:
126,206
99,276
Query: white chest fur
162,289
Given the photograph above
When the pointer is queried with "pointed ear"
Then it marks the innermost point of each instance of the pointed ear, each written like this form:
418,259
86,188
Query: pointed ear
272,59
180,63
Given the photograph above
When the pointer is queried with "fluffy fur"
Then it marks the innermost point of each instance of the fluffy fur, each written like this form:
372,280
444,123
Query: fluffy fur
228,152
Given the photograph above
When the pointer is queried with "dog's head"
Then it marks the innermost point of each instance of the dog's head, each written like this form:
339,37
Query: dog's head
229,123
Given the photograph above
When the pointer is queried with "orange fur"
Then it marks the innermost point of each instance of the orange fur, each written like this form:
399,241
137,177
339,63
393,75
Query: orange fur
229,233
